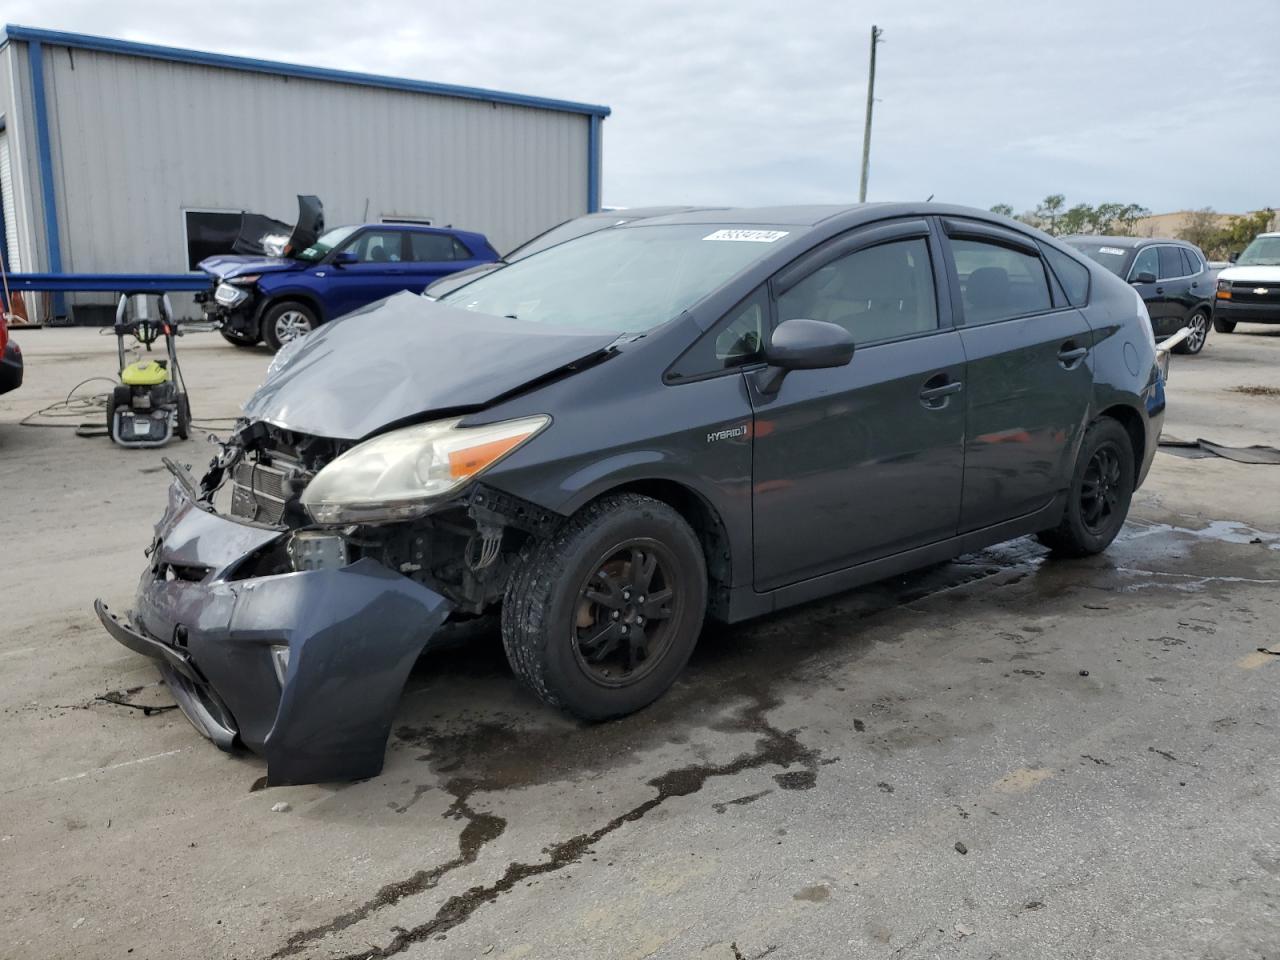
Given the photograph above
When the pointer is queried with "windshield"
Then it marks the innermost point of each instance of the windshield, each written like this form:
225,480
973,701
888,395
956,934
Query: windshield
625,280
569,230
327,242
1263,252
1113,258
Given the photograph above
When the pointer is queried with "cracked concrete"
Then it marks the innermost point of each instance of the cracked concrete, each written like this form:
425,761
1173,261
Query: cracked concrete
1097,735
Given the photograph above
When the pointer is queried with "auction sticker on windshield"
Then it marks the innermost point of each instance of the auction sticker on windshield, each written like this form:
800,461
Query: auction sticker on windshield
1114,251
749,236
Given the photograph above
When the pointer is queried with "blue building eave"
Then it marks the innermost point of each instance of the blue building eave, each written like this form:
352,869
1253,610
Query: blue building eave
82,41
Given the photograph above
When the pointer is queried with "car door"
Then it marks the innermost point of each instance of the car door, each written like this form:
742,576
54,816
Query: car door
1147,264
863,461
1174,289
1198,287
1029,381
431,255
376,272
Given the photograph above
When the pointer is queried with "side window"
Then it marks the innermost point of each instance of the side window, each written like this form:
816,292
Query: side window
999,283
377,246
876,293
1073,275
1190,262
1171,263
737,339
431,247
1148,261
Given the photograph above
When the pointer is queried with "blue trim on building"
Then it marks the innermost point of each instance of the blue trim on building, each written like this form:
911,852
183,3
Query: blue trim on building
4,231
203,58
44,157
110,282
593,165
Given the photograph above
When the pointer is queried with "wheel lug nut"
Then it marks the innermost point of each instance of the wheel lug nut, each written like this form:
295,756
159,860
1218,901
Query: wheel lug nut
626,594
624,628
639,599
614,615
639,621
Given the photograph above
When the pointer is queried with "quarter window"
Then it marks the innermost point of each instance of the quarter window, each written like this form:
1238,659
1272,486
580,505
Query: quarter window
1073,275
1148,261
877,293
999,283
1171,263
737,339
436,247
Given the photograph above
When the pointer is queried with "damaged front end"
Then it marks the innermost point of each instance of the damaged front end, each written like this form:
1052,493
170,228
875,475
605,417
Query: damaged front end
295,638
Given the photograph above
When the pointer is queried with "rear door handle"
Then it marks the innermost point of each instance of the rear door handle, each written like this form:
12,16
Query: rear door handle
935,397
1159,289
1070,354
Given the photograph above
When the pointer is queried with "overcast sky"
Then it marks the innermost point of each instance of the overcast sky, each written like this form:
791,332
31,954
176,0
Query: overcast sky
1172,105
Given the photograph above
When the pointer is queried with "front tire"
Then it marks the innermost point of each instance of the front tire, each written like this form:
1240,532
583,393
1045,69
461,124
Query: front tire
1101,490
236,340
287,321
600,618
1224,326
1199,324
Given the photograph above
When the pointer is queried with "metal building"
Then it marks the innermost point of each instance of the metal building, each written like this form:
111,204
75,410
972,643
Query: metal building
113,153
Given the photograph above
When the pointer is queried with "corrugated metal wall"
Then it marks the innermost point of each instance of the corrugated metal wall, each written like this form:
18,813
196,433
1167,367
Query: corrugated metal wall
15,104
136,141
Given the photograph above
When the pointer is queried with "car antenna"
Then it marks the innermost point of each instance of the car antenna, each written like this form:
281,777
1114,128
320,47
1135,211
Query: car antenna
928,198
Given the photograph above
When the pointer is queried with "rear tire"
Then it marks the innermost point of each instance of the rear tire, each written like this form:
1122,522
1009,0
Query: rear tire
286,321
1101,490
1224,326
577,629
1199,324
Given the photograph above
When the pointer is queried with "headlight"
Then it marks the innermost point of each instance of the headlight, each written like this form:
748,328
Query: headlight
275,245
229,296
397,475
1224,290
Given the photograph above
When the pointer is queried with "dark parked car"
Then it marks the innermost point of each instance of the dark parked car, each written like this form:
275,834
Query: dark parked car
1171,276
10,359
279,298
716,413
568,230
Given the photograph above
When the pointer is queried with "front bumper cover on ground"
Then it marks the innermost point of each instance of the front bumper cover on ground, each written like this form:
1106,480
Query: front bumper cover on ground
353,633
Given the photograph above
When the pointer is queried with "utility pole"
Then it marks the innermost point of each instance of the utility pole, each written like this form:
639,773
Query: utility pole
876,33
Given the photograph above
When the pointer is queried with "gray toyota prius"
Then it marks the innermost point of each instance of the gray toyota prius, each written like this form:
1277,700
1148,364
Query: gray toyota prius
717,413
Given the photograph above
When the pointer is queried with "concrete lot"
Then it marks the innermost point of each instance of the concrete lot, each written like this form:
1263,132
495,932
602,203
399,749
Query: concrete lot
1000,757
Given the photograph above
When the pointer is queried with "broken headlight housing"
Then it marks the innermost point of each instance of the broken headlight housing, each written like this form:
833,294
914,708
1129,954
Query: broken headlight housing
398,475
229,295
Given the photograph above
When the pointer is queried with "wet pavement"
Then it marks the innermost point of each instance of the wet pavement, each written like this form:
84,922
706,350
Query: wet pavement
1005,756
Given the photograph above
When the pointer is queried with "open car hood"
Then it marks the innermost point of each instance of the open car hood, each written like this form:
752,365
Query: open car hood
407,356
256,228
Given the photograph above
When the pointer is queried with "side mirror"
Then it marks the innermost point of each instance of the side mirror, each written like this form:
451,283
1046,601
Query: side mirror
1233,258
344,257
1146,276
801,344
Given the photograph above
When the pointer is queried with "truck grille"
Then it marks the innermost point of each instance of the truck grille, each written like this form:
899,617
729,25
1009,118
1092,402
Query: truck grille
1244,292
259,492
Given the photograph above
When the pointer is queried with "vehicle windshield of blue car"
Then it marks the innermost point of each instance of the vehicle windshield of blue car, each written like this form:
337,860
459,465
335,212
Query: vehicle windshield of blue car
1262,252
621,280
321,248
1111,257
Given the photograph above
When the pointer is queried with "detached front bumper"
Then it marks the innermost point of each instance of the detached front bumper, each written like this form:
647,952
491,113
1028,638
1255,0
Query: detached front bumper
352,634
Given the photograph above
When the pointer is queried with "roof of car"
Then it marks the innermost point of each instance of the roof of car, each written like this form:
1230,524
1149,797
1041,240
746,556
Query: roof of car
1121,241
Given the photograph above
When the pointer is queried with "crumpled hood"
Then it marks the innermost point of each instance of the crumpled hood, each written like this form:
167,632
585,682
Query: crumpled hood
406,356
230,265
1245,274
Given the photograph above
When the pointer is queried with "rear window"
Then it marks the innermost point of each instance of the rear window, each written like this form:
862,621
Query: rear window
1110,256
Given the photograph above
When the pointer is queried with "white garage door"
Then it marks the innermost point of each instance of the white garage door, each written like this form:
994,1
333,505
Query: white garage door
14,264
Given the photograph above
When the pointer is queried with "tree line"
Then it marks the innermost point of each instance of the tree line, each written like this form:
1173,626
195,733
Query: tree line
1053,216
1218,238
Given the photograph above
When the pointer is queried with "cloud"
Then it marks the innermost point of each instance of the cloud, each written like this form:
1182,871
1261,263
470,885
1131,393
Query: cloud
759,102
